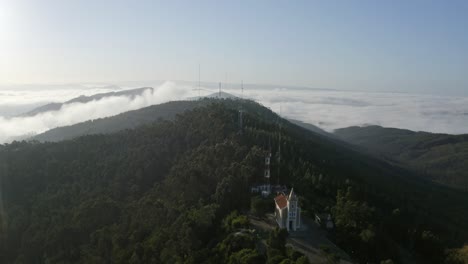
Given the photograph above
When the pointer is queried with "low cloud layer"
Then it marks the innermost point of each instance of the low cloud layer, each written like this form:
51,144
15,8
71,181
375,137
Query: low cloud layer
336,109
328,109
19,127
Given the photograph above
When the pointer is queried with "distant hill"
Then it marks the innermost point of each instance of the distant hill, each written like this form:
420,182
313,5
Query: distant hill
441,157
127,120
131,119
311,127
85,99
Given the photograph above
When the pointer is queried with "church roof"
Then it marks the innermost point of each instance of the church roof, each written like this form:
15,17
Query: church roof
281,201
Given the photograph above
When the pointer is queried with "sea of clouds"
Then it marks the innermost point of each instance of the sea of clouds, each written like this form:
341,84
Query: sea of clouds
328,109
13,127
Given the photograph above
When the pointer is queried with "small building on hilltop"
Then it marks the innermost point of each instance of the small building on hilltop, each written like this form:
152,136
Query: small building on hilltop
324,220
287,211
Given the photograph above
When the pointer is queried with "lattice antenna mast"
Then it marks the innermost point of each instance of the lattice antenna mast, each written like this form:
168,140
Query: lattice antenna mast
241,110
279,148
219,93
242,89
199,86
225,80
267,165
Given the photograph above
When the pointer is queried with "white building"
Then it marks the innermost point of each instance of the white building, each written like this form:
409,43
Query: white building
264,189
287,211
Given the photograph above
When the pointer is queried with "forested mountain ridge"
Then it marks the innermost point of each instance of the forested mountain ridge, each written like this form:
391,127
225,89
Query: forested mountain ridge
164,193
136,118
440,157
127,120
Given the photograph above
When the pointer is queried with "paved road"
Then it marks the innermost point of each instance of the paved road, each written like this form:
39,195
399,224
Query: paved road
306,240
310,237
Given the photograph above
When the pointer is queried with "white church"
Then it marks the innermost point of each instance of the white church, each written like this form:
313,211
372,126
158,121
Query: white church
287,211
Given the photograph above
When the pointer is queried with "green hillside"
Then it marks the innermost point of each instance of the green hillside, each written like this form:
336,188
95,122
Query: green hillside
136,118
439,157
127,120
168,192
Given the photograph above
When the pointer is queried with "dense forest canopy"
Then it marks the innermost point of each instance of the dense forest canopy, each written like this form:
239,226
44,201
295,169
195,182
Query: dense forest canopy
439,157
175,191
127,120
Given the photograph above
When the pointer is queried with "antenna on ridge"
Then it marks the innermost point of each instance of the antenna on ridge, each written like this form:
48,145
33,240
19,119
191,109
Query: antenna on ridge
199,88
279,158
225,79
242,89
267,168
219,93
279,146
241,110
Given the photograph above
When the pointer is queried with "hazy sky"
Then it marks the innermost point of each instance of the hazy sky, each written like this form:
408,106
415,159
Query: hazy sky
413,46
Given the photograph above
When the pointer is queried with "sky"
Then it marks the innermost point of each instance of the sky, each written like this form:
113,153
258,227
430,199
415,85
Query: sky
418,46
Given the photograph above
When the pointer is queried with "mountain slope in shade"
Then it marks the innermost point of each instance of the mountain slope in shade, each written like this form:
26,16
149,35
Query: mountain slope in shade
85,99
135,118
127,120
440,157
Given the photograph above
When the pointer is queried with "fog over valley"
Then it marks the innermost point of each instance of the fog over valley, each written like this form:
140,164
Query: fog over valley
327,109
20,127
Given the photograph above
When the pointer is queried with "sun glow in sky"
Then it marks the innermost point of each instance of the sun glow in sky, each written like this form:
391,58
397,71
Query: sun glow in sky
4,20
408,46
9,40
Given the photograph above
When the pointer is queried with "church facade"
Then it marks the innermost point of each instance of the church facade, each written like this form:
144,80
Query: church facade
287,211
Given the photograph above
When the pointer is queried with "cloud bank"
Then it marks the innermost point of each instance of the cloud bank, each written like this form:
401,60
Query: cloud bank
328,109
336,109
12,128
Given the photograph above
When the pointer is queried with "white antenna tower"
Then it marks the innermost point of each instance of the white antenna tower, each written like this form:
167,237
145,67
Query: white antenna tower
242,89
241,108
267,167
279,146
199,87
225,80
